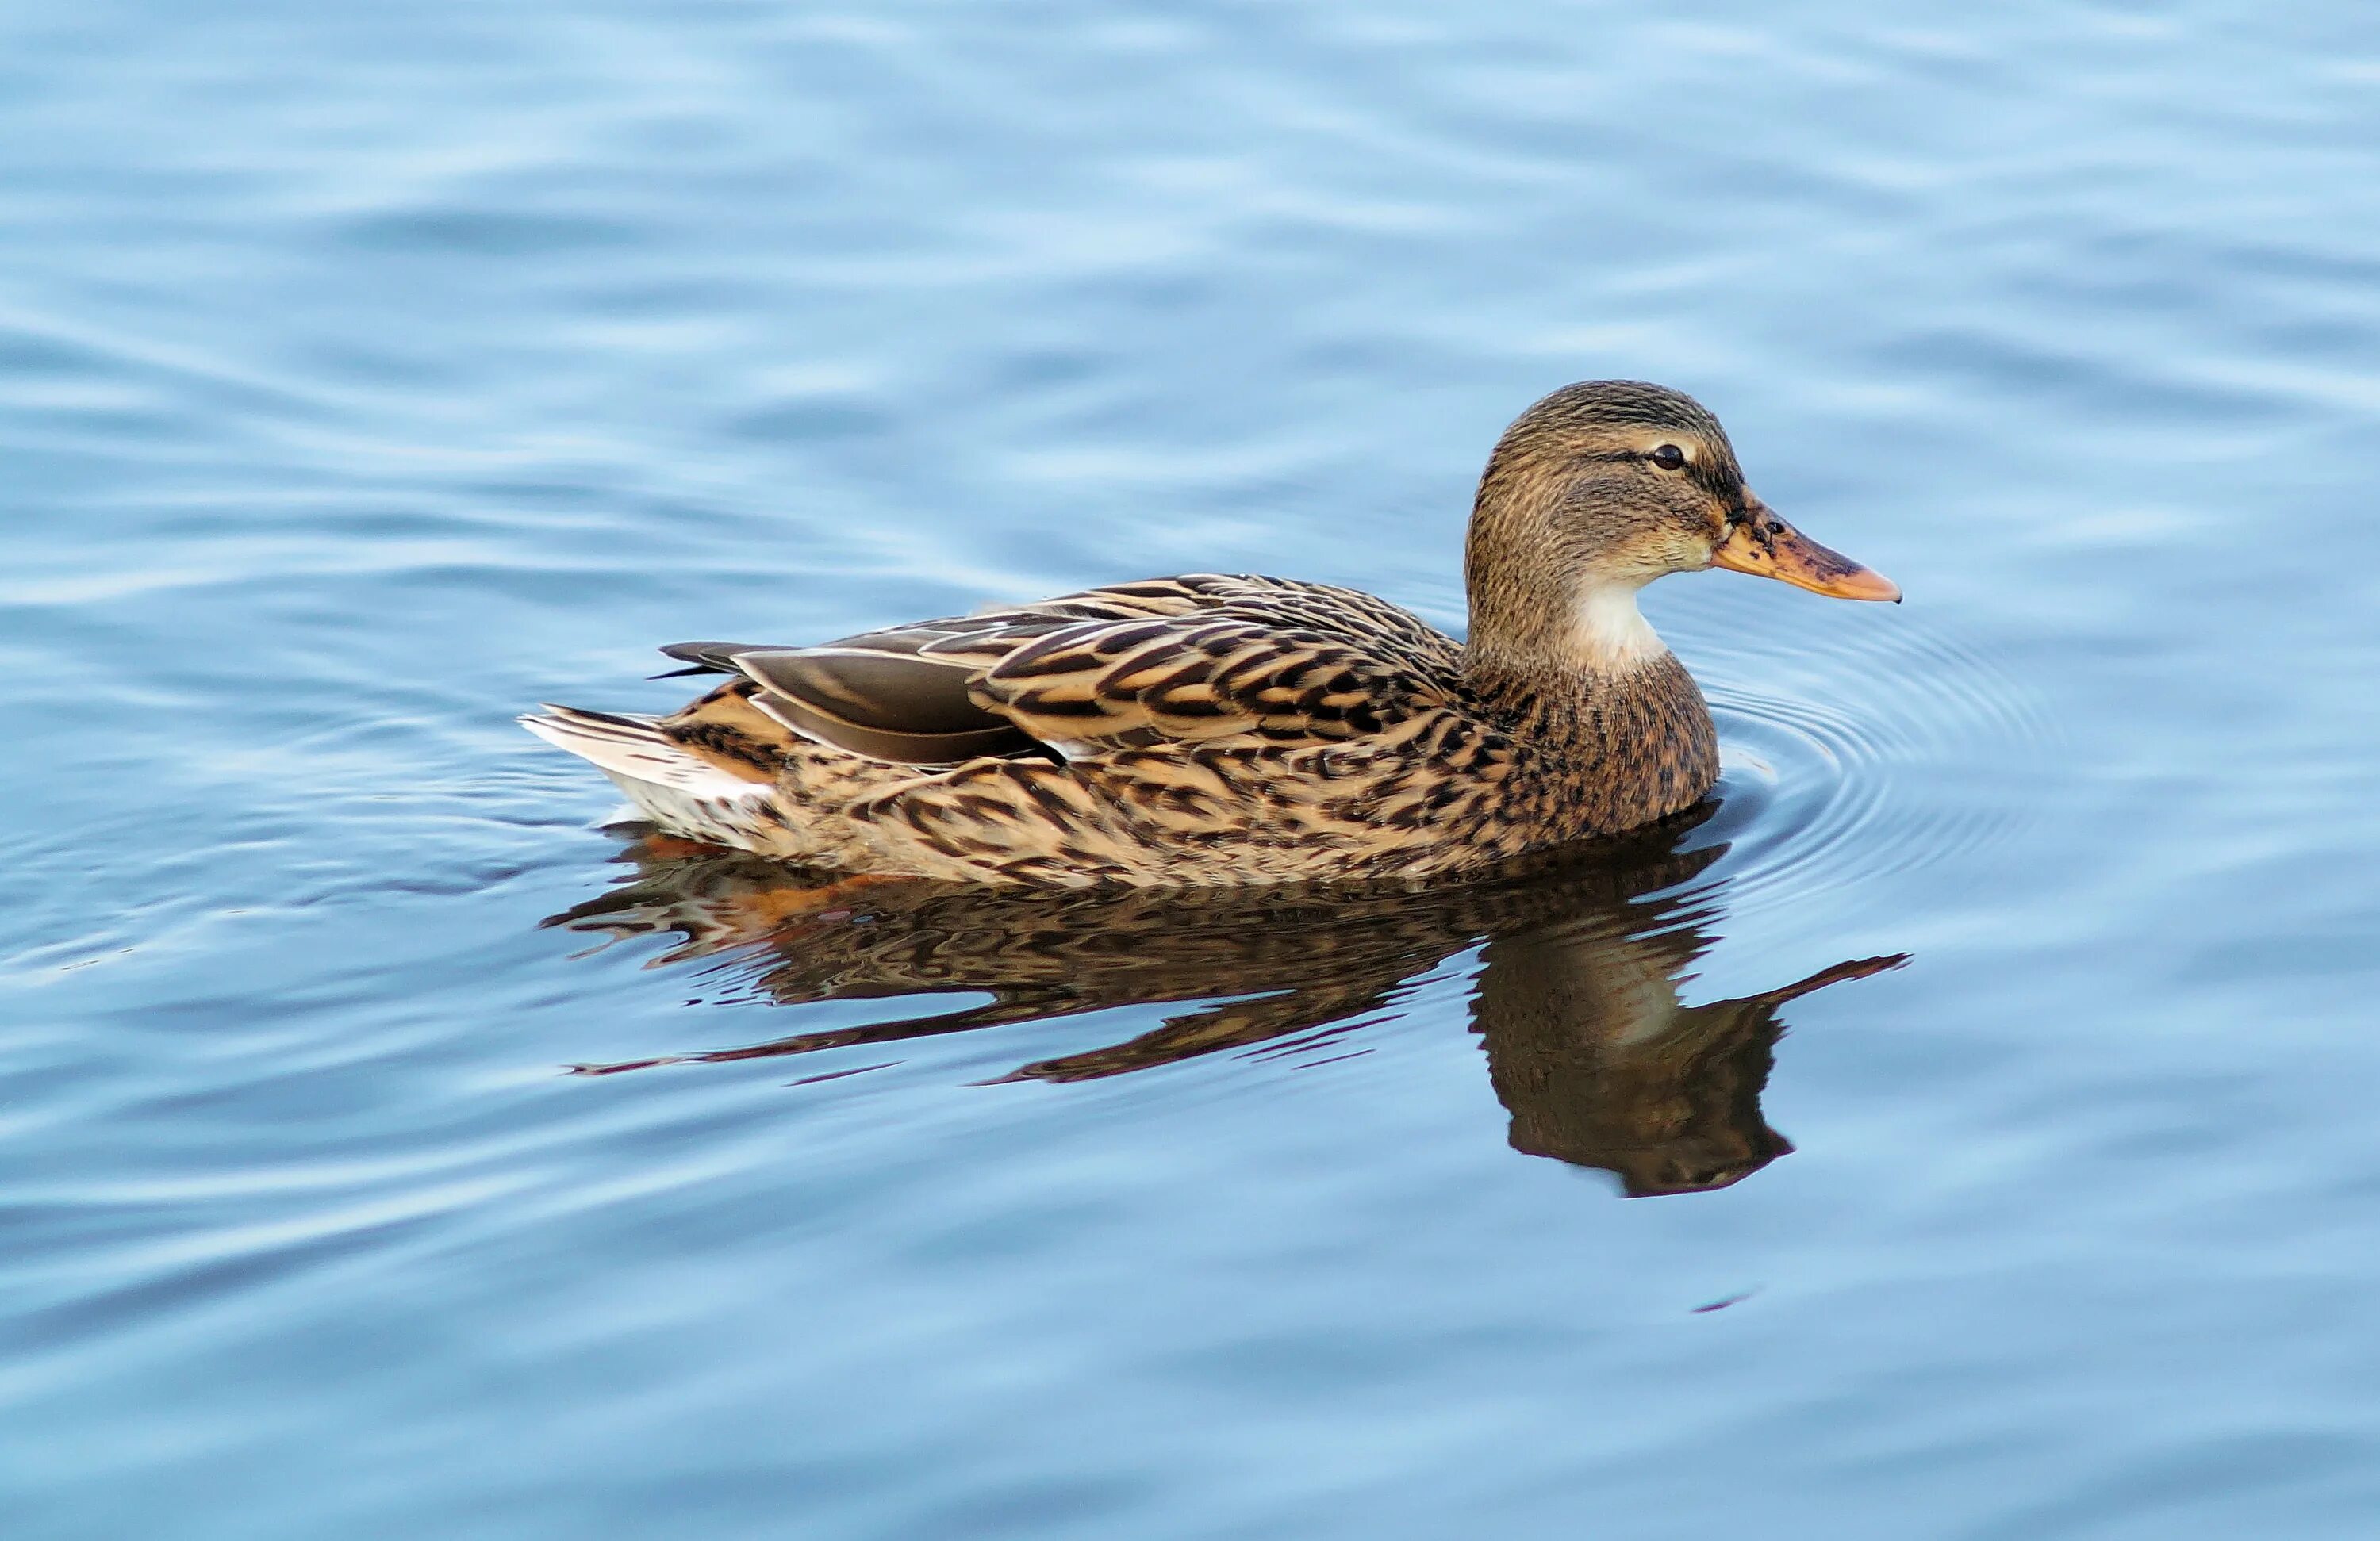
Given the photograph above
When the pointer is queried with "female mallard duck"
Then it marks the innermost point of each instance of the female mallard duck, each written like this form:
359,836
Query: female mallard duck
1233,729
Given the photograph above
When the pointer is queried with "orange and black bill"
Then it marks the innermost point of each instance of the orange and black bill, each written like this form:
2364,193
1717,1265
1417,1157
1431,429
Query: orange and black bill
1765,546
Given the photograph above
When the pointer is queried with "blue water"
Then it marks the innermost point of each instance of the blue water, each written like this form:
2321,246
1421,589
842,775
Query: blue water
369,374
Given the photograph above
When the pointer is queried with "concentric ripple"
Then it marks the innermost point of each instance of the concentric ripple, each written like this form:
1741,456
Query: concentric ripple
1863,751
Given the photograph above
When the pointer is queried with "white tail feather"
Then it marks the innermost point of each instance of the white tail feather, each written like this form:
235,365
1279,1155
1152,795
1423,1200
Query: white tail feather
678,791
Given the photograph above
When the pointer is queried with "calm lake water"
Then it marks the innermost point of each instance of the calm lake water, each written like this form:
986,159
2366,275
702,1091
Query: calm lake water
369,374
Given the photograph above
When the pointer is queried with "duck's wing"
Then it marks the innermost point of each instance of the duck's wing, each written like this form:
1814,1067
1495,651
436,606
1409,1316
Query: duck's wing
1120,601
1182,659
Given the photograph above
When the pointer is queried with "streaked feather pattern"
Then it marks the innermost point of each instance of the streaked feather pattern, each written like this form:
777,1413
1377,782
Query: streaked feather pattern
1197,729
1238,729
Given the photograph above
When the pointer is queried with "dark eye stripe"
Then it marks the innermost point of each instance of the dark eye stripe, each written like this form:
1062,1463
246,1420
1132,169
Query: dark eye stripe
1654,456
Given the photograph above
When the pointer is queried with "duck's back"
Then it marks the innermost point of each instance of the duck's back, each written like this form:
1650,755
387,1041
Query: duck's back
1204,728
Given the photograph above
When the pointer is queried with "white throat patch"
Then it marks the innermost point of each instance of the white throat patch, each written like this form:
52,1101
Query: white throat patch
1609,631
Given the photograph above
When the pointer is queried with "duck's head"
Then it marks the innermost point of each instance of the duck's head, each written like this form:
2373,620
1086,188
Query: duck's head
1598,490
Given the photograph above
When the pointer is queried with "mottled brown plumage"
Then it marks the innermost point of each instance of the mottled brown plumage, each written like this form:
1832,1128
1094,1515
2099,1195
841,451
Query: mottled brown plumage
1234,729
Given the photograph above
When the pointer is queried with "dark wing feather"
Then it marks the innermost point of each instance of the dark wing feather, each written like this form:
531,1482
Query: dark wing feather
1170,658
704,657
876,696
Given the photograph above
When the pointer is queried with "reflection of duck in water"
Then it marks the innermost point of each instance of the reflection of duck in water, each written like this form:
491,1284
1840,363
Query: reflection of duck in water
1588,1046
1601,1066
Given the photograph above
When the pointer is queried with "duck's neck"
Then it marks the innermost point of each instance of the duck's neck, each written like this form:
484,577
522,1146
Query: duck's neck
1596,633
1612,730
1607,633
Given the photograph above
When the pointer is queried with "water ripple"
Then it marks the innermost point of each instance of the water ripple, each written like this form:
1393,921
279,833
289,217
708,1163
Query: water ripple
1858,759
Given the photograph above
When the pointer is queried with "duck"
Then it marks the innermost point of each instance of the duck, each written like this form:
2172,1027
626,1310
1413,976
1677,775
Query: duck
1234,729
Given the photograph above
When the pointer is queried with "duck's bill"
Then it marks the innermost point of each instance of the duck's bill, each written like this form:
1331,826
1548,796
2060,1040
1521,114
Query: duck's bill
1765,546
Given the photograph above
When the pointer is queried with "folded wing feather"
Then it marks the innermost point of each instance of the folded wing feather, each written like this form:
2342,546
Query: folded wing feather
1174,659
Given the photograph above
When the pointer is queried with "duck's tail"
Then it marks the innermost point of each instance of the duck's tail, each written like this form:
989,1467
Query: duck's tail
679,791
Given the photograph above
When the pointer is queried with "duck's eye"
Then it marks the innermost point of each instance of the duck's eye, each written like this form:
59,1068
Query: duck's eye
1669,458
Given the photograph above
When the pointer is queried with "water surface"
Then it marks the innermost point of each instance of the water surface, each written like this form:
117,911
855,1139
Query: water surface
1963,1129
